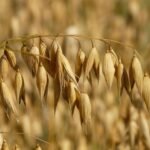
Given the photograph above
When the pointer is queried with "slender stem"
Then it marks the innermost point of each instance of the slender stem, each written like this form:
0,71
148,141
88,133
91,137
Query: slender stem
75,36
24,38
79,43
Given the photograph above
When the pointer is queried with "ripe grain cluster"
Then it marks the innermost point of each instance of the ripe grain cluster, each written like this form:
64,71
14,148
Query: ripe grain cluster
49,61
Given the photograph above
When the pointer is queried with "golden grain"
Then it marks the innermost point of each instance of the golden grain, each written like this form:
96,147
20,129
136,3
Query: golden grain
72,89
19,87
7,98
11,58
146,90
46,60
84,108
93,61
119,76
108,69
48,64
80,59
4,67
42,82
136,73
57,91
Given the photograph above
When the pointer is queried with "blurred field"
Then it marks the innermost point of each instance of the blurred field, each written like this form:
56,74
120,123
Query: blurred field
116,123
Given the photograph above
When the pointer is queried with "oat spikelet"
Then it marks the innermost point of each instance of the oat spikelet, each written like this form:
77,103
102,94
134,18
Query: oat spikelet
7,98
80,59
19,87
108,69
92,61
57,91
66,66
34,60
146,91
48,65
42,82
72,89
126,81
4,67
119,76
11,58
35,51
96,66
58,81
84,106
114,57
26,57
5,145
53,50
136,73
42,49
59,68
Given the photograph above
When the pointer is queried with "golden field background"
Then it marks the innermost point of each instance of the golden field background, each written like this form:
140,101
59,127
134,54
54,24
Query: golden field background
116,124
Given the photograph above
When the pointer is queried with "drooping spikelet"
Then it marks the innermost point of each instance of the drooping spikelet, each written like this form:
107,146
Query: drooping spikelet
53,50
119,76
96,66
90,61
11,58
84,106
59,78
42,81
108,69
126,81
31,58
47,63
54,54
67,68
4,67
146,90
80,59
43,49
114,57
93,62
136,73
7,98
34,59
57,91
19,87
72,94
